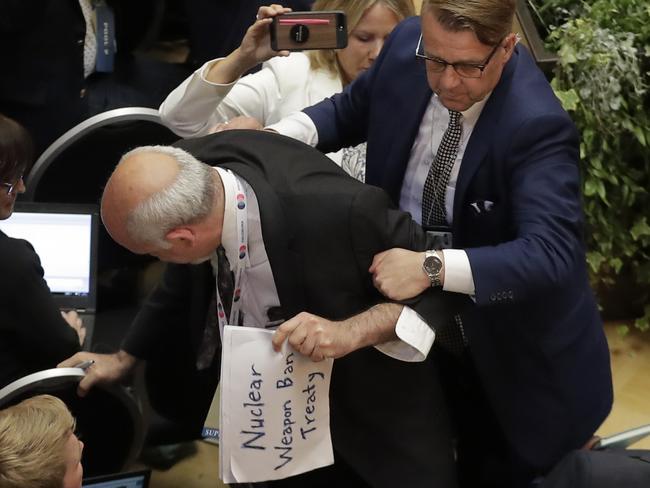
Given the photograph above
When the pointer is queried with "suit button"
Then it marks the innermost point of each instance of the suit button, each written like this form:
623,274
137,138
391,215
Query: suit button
80,42
82,93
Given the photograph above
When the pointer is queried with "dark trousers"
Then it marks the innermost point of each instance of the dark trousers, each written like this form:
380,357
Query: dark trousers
484,458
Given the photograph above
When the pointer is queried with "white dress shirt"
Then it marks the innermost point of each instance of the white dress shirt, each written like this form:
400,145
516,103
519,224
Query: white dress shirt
258,291
284,85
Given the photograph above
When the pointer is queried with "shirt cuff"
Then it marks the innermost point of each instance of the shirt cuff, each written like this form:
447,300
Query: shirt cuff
415,338
458,272
297,125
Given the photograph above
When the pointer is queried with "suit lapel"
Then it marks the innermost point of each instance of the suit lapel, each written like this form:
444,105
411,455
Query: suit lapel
483,135
396,132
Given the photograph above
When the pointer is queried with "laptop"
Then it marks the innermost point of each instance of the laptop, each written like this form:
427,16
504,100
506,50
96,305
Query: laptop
65,238
134,479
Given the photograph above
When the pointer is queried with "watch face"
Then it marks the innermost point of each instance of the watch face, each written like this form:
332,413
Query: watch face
432,265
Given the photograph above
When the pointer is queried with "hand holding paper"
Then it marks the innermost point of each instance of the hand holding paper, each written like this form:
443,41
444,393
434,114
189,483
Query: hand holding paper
274,420
316,337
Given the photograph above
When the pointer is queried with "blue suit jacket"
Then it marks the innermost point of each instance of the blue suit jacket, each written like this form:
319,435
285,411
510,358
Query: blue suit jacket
535,333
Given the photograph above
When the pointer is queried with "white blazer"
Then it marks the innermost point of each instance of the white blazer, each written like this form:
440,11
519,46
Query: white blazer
284,85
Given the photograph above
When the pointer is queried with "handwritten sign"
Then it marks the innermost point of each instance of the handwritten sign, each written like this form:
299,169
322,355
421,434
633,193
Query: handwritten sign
274,409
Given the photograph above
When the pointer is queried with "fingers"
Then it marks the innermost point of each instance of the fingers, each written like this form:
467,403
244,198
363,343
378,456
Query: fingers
284,331
95,373
376,261
271,11
304,343
260,26
82,335
317,355
73,319
102,370
86,383
308,335
72,361
218,128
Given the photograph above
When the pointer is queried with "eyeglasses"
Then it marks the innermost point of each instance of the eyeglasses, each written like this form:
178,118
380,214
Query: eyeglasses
465,70
12,186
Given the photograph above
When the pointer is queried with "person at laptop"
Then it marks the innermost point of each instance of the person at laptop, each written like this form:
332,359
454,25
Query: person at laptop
34,333
38,446
311,232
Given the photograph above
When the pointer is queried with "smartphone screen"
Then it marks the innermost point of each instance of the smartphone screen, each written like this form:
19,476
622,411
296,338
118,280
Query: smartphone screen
298,31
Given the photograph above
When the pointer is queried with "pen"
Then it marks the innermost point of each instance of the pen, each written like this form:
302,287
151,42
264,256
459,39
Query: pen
85,364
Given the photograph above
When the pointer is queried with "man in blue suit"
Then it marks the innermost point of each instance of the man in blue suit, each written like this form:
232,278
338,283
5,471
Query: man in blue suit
464,131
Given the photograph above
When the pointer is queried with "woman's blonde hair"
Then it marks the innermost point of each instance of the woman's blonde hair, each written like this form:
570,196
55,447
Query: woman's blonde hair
354,10
33,435
490,20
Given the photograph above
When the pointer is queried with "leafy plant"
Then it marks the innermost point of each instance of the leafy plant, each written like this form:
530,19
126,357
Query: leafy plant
602,79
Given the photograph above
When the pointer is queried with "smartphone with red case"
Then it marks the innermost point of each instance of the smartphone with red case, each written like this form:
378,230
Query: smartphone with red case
299,31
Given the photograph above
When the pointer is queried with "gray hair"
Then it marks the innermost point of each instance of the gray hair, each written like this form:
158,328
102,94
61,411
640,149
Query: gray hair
188,199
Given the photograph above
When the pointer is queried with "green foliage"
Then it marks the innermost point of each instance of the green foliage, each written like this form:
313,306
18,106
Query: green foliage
602,79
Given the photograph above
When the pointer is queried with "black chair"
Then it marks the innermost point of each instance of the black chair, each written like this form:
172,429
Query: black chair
74,169
75,166
109,420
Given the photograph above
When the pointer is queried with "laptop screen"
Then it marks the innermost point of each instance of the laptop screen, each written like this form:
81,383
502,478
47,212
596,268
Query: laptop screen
137,479
65,238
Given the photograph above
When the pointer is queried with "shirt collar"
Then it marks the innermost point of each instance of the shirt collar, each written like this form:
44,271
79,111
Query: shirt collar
471,115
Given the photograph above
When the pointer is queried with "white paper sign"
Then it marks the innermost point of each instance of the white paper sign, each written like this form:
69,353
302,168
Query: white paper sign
274,409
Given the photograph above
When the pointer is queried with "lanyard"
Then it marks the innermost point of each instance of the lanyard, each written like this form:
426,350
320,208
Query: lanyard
241,220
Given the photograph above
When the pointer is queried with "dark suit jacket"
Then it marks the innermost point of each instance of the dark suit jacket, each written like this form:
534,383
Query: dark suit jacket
321,229
535,334
42,46
33,335
42,82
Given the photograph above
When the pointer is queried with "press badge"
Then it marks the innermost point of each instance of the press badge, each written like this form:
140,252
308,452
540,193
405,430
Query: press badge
105,37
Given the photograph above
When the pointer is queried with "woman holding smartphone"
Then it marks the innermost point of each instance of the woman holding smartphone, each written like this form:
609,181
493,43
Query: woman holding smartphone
218,94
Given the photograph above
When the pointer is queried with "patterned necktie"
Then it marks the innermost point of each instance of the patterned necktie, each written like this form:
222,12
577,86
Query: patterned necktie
226,285
435,186
225,281
451,336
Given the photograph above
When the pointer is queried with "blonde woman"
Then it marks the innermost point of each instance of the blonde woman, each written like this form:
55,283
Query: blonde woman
217,93
38,447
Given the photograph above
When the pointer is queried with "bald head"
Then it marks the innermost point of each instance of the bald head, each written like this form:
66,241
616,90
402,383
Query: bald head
155,190
138,176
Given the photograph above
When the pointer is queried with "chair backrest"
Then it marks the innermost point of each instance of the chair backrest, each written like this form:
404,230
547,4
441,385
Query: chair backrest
109,419
76,166
623,440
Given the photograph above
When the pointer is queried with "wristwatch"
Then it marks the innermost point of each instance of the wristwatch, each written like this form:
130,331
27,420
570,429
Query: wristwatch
432,266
